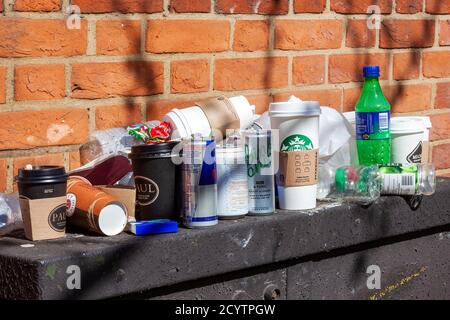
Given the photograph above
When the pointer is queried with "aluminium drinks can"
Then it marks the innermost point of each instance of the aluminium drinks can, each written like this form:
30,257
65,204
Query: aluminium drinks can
260,171
199,182
232,181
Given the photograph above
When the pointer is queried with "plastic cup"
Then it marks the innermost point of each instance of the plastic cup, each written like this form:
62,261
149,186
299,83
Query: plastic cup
298,125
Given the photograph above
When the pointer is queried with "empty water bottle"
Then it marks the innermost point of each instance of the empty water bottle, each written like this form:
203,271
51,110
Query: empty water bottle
365,184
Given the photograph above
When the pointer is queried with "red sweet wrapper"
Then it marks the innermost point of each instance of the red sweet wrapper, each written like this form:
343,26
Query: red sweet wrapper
162,131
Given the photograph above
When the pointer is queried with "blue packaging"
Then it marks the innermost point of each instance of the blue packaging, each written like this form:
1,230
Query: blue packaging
143,228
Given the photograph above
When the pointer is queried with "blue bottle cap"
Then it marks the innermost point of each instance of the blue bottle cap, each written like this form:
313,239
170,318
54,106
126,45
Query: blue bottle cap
371,71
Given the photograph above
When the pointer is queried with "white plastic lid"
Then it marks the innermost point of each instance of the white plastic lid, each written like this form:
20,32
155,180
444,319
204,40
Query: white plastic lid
407,125
112,219
294,109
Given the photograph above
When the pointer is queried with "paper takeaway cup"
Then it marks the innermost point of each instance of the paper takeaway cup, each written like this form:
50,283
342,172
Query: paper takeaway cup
92,209
219,113
42,192
298,125
410,139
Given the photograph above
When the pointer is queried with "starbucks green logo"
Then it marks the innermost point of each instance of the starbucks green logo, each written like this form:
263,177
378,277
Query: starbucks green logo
297,142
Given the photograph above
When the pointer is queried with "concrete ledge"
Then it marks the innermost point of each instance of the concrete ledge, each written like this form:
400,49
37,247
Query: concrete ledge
125,264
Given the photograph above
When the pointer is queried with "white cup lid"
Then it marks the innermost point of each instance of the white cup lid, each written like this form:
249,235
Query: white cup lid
295,108
407,125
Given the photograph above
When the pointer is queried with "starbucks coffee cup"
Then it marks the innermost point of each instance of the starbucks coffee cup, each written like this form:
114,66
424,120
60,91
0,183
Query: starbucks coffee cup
298,125
410,139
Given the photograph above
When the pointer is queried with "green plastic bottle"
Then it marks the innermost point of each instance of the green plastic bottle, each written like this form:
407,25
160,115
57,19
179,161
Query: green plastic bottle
373,117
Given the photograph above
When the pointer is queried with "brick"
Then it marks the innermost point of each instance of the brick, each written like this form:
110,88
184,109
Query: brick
40,38
3,175
349,67
359,6
52,127
117,116
308,70
157,109
190,6
436,64
39,82
251,73
444,33
260,101
37,5
409,6
124,6
2,85
359,35
441,156
189,76
251,35
327,97
308,34
438,6
441,126
252,6
171,36
407,98
442,95
49,159
406,65
118,37
308,6
407,34
74,160
103,80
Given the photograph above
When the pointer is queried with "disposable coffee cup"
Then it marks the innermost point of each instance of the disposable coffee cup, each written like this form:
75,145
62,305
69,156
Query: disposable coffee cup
216,114
42,192
41,182
410,139
157,179
92,209
297,123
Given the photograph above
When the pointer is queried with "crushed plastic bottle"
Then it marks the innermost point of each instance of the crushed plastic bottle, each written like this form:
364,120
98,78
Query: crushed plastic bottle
365,184
10,215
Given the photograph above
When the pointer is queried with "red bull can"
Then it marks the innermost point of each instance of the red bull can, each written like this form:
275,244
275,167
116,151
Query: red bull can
199,182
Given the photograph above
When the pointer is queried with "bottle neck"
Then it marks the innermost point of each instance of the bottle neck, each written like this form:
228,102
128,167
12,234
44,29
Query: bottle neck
372,84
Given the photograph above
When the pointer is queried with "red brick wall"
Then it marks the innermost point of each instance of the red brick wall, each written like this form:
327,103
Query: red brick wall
133,60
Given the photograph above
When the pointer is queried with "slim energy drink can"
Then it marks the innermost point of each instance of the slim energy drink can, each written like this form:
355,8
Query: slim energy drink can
258,153
199,180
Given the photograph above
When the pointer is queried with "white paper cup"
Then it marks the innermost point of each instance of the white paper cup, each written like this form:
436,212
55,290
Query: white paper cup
410,136
298,125
187,121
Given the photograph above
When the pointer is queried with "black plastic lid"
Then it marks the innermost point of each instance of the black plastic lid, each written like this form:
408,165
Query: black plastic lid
152,150
42,174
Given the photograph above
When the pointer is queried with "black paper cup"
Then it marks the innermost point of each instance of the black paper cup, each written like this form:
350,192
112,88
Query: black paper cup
42,182
157,180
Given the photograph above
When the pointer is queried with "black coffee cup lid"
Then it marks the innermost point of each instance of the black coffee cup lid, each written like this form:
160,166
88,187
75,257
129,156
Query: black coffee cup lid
42,174
152,150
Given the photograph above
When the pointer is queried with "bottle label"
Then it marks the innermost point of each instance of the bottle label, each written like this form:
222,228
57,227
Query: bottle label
399,184
373,125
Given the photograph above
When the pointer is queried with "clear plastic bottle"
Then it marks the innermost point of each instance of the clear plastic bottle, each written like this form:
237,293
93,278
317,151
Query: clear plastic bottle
365,184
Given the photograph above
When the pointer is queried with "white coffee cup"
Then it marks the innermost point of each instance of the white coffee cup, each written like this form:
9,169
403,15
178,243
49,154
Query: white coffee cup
410,137
193,120
298,125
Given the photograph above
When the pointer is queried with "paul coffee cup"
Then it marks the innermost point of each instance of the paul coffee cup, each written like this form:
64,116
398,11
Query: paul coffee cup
42,192
157,181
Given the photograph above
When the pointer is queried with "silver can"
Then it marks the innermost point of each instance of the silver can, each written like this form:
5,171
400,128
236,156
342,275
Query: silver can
199,183
260,172
232,182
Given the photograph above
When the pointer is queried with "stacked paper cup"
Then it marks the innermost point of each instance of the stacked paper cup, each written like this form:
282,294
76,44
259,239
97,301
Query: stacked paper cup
297,123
